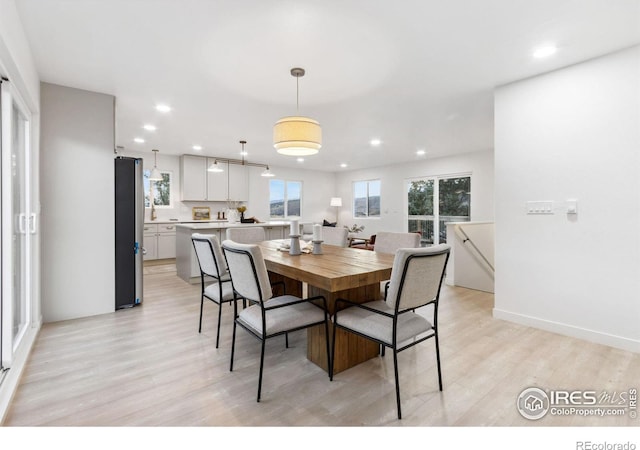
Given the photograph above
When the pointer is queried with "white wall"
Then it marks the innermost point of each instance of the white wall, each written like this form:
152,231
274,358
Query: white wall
77,142
393,195
572,133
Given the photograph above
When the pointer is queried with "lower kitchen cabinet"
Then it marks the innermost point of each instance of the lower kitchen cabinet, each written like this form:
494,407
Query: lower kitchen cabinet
159,241
274,232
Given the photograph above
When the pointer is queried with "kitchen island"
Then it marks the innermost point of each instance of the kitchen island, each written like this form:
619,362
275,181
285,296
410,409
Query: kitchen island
186,262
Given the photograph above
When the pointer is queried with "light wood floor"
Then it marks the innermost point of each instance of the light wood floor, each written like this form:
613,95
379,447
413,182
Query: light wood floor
148,366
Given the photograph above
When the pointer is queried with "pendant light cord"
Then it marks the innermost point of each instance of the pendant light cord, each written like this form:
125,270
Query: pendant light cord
298,95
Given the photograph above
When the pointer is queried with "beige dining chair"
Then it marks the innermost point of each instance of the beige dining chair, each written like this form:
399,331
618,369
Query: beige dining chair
390,242
246,235
335,236
269,315
212,264
416,280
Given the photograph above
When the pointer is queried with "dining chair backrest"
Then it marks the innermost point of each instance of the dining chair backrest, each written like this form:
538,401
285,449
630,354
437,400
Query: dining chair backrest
416,276
335,236
248,270
209,254
246,235
389,242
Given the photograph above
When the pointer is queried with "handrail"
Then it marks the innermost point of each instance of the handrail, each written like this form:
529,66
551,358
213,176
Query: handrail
466,238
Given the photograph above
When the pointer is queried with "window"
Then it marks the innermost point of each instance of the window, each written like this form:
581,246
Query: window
429,217
366,198
285,198
159,191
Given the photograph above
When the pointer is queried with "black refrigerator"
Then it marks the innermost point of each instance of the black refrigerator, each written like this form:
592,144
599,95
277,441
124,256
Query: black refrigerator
129,217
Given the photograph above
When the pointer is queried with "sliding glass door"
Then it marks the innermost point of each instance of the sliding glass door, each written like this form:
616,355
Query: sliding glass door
18,223
434,201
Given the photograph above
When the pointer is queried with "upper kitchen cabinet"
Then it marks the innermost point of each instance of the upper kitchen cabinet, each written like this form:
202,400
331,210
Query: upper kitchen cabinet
200,185
218,182
238,182
193,177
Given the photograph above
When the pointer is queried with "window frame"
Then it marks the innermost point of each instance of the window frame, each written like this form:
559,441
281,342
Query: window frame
436,216
368,196
286,214
145,177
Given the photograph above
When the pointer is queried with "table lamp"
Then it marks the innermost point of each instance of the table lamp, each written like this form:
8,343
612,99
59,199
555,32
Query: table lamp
337,202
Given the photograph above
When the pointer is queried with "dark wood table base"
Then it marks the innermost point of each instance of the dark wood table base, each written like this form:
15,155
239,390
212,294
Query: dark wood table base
351,349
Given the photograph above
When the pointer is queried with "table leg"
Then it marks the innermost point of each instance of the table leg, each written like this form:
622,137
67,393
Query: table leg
292,287
351,349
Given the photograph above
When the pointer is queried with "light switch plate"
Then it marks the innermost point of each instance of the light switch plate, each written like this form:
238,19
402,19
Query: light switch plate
572,206
540,207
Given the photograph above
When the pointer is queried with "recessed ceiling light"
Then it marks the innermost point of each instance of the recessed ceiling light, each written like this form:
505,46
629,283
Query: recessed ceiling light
343,165
421,152
197,147
375,142
163,108
544,51
138,140
300,160
149,127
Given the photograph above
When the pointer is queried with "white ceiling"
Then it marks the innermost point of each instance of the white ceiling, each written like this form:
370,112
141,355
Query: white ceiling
417,74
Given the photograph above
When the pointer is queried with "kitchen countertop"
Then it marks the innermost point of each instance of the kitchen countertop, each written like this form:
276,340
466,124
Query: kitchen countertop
215,224
177,222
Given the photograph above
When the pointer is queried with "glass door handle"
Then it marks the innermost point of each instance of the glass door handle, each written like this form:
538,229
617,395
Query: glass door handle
32,223
22,218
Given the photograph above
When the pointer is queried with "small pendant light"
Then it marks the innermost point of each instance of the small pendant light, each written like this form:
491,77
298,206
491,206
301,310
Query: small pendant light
155,174
214,167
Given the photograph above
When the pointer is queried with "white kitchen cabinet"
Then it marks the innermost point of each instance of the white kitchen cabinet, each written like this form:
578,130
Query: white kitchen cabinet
193,178
166,241
217,182
238,182
198,184
274,232
150,242
159,241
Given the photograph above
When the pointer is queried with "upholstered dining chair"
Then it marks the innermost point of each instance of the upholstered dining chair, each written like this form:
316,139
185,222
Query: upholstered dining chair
335,236
389,242
269,315
212,264
246,235
416,280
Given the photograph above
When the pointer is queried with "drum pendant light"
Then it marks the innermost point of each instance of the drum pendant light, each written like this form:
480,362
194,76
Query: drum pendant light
297,135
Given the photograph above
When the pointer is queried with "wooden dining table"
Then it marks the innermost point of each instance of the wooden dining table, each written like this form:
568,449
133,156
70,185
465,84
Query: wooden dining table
336,273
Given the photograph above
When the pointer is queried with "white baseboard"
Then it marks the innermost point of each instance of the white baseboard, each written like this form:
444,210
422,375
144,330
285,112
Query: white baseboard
570,330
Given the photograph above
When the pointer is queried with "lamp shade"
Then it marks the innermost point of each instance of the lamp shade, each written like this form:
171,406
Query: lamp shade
297,136
267,173
155,175
336,201
214,167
